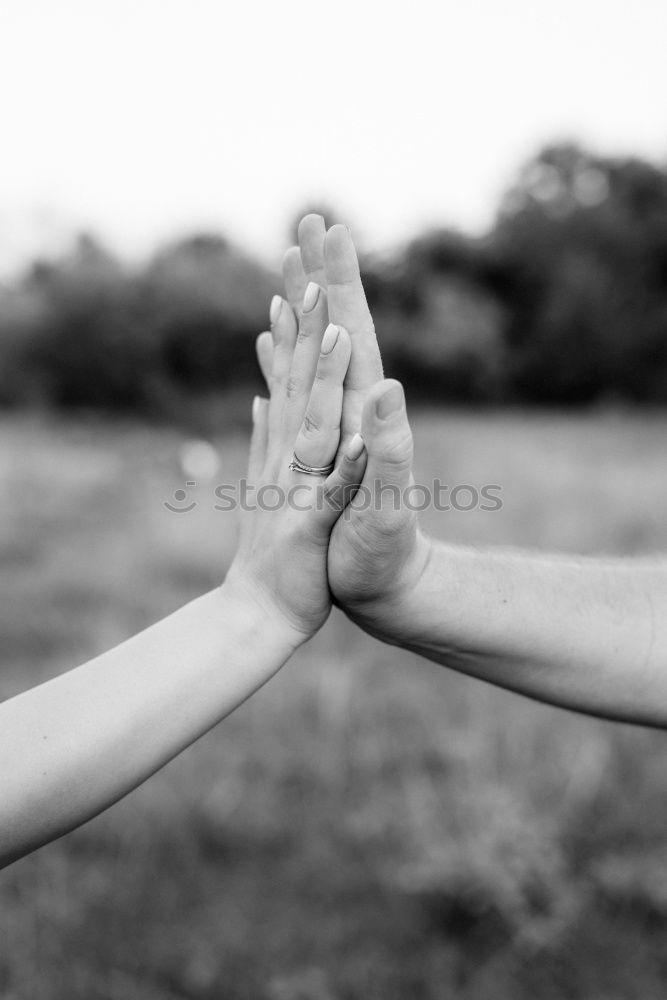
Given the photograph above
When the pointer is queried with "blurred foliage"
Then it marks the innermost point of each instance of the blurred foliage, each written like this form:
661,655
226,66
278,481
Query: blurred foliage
86,331
564,301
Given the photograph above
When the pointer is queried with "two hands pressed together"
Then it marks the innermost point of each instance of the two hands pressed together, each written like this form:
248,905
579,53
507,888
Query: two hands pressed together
367,559
590,635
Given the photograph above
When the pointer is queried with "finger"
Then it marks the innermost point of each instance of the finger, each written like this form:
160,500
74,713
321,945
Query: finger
387,436
342,484
283,330
312,232
348,308
304,360
264,349
319,435
294,278
258,439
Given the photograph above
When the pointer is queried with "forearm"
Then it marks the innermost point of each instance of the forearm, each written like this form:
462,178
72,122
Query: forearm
73,746
588,634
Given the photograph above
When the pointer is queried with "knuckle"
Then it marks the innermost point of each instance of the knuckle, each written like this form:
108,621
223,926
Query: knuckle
292,386
399,452
312,424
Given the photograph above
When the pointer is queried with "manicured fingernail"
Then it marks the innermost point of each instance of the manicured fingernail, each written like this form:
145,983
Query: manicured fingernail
390,402
311,296
355,448
329,339
274,311
255,409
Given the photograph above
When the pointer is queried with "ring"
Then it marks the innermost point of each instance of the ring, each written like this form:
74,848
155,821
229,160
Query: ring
296,465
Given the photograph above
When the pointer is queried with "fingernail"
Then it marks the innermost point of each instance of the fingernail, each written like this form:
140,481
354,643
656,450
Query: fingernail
311,296
390,402
274,311
355,448
329,339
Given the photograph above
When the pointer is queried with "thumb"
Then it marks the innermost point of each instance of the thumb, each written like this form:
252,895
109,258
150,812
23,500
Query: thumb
387,435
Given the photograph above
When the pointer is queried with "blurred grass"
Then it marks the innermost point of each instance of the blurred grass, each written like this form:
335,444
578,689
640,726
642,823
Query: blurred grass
368,826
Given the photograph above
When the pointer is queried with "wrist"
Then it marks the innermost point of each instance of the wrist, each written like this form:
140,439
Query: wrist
247,606
391,615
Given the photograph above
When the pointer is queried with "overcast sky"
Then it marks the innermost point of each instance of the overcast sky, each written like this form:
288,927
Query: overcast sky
144,118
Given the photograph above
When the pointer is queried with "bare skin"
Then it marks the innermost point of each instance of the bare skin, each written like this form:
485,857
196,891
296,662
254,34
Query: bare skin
75,745
588,634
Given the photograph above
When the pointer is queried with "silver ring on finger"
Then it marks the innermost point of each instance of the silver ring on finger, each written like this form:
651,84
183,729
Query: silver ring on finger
296,465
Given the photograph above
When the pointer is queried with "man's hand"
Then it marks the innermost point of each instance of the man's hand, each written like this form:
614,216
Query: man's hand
376,553
329,259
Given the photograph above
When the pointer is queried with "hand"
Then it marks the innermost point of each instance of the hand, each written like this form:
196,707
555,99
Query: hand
329,259
281,561
376,552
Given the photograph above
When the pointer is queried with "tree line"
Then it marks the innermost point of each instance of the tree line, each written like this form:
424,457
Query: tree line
562,302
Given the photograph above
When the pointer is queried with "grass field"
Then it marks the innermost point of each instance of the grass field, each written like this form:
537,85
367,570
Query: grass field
369,825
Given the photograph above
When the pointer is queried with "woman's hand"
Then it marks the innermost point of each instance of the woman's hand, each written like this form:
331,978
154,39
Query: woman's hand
281,564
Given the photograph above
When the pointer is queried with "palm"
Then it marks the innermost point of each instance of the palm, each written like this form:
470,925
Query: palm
366,553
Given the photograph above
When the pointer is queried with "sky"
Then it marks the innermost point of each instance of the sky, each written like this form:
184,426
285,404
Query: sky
140,120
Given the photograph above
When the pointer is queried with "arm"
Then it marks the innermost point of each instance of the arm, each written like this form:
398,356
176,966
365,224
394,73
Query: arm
586,634
75,745
78,743
583,633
